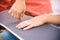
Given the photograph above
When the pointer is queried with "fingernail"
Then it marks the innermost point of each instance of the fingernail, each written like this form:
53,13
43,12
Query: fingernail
24,29
18,28
9,11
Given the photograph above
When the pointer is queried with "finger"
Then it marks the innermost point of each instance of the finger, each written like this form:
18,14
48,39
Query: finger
29,27
15,14
22,25
10,11
20,14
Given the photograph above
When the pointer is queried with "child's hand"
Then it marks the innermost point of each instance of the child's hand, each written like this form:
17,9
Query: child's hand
34,22
3,30
18,8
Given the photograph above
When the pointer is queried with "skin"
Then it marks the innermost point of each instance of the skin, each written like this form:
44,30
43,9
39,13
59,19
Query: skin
18,9
39,20
3,30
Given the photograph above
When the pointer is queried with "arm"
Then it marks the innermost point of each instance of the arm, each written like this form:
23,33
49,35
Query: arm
53,19
39,20
18,8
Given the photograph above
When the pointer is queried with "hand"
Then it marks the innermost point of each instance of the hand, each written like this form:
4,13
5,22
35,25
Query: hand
3,30
18,9
34,22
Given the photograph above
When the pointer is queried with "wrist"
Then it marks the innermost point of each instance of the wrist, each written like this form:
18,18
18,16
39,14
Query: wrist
44,18
20,0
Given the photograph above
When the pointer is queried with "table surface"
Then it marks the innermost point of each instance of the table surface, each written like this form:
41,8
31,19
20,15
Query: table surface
45,32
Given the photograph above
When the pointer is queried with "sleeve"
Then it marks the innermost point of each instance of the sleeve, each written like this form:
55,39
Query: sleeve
5,4
56,7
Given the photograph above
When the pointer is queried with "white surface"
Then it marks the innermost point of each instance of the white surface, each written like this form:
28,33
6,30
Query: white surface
56,6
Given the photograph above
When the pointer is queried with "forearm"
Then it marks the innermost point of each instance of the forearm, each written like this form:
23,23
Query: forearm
53,19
